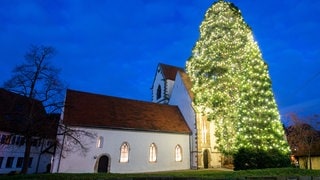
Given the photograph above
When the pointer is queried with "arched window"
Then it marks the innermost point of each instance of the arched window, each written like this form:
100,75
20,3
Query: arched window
159,92
100,142
153,153
124,153
178,153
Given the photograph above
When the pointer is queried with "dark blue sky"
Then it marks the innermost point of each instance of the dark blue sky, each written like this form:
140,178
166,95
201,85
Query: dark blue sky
113,47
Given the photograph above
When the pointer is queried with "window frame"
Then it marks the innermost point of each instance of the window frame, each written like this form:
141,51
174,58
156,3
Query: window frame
100,142
13,140
158,95
18,139
19,162
124,153
2,139
153,153
178,153
1,161
30,162
9,162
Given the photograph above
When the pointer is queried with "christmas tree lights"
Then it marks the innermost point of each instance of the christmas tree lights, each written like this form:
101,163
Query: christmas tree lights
231,83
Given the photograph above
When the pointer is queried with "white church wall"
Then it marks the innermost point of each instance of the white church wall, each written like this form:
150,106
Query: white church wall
169,88
180,97
139,143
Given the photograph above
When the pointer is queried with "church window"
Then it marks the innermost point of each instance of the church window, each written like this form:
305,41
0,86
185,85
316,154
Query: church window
178,153
124,153
204,131
159,92
152,153
100,142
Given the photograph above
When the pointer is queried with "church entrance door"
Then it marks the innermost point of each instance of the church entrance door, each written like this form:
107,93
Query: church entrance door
103,164
206,158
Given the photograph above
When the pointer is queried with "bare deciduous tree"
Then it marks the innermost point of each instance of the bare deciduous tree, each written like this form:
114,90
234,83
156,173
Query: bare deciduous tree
75,139
37,80
303,136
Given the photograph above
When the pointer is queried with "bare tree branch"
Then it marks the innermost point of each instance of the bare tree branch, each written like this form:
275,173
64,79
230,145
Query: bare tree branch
303,137
38,82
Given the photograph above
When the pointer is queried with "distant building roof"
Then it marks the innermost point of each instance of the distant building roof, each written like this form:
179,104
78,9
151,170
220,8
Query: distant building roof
12,103
169,71
301,137
18,112
92,110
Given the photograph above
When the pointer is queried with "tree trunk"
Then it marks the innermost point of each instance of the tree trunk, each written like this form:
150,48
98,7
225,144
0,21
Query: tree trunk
25,164
39,156
309,160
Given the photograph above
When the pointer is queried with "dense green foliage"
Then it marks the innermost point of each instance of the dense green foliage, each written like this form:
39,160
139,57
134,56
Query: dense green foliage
259,159
231,83
192,174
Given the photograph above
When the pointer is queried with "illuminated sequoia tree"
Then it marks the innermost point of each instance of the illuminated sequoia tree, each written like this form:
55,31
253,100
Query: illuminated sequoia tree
231,83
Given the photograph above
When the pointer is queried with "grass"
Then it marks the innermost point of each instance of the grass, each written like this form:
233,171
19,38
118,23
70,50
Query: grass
187,174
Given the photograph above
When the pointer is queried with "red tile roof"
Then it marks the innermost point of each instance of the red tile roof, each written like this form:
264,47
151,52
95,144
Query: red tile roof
170,72
93,110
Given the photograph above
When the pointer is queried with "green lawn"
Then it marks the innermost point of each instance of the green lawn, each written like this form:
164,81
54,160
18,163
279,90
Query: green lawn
187,174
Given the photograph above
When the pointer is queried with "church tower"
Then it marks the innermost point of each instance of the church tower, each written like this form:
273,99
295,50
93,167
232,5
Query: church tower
163,83
208,154
172,86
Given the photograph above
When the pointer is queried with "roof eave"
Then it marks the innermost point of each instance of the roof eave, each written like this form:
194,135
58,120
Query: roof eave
128,129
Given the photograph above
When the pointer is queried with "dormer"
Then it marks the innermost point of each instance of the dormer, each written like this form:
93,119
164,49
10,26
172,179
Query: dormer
163,83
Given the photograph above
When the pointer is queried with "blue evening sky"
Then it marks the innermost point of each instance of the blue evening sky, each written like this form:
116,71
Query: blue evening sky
112,47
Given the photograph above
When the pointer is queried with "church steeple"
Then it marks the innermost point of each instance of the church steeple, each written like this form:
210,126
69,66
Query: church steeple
163,83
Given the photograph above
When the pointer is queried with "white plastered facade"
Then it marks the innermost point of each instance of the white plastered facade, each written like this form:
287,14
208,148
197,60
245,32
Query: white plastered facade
139,143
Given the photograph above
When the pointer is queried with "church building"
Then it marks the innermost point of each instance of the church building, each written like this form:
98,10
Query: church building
132,136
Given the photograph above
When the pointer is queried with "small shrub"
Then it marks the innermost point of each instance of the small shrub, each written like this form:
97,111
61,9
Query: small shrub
244,159
247,158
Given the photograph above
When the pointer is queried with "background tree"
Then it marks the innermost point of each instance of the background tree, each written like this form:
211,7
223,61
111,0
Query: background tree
231,83
303,137
38,81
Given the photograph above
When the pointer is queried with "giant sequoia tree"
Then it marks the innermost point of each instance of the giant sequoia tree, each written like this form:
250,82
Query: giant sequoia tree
231,83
